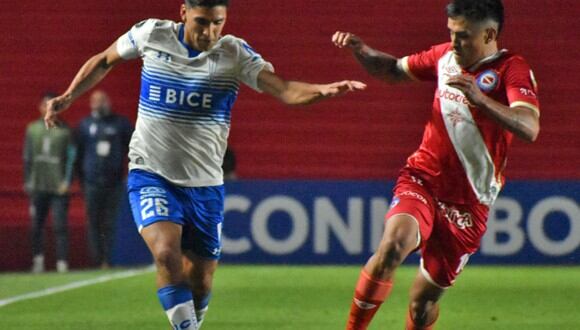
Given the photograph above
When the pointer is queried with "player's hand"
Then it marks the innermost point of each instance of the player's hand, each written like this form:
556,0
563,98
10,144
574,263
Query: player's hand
55,106
347,39
341,87
468,86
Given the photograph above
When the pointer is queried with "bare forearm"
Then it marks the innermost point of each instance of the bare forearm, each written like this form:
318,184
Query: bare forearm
91,73
300,93
380,65
521,121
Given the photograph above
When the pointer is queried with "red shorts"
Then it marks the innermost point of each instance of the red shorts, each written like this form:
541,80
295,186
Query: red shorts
449,232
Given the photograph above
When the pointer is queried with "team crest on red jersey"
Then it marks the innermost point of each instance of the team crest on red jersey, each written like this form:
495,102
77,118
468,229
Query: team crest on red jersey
488,81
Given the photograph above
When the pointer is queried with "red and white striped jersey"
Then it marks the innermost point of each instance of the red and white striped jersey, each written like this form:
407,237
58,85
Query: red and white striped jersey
464,152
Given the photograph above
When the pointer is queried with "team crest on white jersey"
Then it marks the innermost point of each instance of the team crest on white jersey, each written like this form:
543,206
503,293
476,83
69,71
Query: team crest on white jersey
488,80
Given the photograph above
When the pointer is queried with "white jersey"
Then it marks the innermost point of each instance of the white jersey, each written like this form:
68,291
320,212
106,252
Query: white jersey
186,101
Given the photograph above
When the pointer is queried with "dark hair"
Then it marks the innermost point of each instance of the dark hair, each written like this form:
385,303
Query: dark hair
206,3
477,10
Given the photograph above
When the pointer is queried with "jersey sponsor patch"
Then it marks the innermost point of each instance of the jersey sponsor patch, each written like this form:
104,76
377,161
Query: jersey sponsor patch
488,81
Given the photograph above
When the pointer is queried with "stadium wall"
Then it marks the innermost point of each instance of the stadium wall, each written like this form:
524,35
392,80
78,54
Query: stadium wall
366,136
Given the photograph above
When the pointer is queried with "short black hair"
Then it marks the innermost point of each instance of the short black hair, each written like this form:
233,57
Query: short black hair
477,10
206,3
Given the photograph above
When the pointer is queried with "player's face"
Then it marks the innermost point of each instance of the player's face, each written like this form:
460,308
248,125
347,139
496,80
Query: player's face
471,41
203,25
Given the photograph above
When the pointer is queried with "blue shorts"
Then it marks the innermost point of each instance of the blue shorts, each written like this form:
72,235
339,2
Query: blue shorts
199,210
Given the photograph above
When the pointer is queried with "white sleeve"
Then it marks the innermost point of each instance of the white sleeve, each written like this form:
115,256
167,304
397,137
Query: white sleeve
130,45
251,64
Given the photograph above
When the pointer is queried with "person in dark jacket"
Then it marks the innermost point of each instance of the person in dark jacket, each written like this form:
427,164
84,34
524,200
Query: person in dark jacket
103,139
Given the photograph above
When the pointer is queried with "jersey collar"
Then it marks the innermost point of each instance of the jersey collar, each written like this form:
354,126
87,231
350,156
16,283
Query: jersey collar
190,51
486,60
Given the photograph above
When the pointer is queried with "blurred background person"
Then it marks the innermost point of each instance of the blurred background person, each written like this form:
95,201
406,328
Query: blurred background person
48,162
103,139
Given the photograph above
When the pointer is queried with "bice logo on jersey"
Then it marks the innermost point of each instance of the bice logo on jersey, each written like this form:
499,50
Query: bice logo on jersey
488,81
174,96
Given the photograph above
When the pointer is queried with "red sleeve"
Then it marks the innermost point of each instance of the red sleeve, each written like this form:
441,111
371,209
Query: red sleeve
520,84
423,65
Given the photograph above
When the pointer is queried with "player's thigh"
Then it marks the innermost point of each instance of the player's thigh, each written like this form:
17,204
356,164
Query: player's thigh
456,236
153,200
163,239
202,234
424,292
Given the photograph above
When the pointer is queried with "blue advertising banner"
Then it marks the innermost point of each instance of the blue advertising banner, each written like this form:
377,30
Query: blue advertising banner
341,222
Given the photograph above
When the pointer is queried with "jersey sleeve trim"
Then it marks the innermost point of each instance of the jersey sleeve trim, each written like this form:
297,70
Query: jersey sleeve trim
530,106
405,66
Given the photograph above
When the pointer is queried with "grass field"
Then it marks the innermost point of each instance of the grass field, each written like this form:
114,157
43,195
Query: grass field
275,297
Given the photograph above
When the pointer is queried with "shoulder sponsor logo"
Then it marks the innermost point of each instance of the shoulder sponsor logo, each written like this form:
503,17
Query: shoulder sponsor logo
488,81
395,202
527,92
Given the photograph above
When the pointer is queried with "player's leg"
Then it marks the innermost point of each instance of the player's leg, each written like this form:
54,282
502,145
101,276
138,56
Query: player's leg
423,307
199,272
158,215
409,223
374,285
202,242
164,241
455,236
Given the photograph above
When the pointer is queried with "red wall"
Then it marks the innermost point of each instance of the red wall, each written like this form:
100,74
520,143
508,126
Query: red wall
362,136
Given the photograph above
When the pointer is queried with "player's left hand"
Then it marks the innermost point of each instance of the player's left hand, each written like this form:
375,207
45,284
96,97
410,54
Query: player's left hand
341,87
468,86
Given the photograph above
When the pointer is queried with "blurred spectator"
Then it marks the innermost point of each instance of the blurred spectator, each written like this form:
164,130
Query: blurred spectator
103,139
48,165
229,165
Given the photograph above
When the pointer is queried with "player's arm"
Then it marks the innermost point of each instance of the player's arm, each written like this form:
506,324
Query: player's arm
92,72
380,65
300,93
522,121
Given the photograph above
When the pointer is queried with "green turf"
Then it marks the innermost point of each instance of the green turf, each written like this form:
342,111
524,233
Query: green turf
257,297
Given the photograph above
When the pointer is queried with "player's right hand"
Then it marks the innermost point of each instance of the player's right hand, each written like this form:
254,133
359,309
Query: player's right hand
347,39
53,107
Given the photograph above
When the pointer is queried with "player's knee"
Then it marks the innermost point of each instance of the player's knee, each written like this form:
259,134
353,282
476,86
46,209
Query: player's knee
168,258
423,311
391,253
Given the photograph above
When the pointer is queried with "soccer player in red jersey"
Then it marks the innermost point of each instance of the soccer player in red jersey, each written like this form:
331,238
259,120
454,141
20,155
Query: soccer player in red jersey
485,96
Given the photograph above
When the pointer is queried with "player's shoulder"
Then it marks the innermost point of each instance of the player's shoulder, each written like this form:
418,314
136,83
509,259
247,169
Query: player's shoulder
513,60
439,50
155,27
155,23
232,44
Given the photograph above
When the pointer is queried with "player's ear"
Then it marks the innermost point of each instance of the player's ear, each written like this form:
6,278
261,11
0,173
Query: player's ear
183,12
490,35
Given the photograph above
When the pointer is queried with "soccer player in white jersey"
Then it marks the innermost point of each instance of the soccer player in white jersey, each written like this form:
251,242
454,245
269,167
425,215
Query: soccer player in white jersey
484,97
190,80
